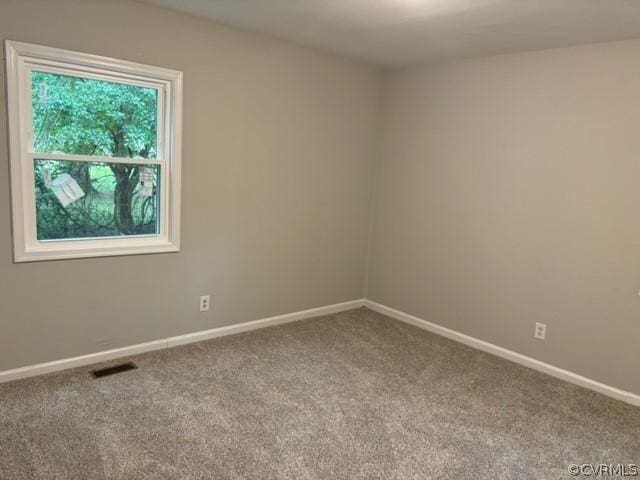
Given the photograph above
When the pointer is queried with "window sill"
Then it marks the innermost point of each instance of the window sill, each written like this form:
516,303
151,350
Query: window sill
64,251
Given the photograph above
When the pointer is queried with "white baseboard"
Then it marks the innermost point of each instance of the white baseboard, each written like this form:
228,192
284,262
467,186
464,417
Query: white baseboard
66,363
57,365
515,357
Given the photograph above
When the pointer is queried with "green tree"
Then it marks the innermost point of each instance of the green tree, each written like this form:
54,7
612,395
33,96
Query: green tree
89,117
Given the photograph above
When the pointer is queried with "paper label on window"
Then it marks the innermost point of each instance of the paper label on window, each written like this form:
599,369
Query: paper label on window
66,189
147,181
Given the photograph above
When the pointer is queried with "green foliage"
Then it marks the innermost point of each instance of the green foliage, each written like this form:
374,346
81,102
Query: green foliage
91,117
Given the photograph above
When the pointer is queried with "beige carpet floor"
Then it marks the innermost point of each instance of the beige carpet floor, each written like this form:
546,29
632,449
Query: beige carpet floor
347,396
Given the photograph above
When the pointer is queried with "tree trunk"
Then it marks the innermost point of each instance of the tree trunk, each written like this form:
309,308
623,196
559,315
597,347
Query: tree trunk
126,180
122,200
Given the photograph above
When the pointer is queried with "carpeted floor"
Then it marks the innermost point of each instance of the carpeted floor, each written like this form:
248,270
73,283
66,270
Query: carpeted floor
347,396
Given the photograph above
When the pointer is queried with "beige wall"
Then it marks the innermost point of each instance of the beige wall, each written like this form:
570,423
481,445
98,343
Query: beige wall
278,142
509,193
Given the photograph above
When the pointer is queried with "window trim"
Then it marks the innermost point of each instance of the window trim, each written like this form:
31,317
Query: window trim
20,58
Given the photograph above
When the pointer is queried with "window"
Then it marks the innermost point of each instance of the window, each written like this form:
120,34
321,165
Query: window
95,154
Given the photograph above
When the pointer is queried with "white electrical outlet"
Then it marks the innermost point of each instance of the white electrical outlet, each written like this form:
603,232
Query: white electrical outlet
204,303
541,331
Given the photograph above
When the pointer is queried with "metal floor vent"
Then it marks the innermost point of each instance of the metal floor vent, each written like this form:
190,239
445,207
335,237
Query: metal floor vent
123,367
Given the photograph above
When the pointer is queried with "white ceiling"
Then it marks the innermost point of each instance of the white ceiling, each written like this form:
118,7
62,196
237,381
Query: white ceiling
406,32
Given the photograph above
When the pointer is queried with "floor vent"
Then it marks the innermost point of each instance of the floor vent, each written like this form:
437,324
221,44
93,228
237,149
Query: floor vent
123,367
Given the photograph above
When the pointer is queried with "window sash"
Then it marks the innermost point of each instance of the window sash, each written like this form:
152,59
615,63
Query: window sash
94,246
29,200
161,88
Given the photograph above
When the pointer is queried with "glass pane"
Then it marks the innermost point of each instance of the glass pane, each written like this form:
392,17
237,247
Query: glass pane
81,116
84,200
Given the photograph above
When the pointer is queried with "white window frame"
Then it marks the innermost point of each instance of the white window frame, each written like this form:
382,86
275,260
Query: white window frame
21,59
